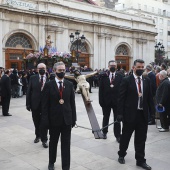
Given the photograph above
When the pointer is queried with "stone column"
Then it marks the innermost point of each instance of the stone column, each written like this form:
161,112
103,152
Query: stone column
2,56
95,57
59,40
102,50
108,51
142,47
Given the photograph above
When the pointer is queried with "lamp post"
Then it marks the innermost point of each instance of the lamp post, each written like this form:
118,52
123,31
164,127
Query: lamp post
160,49
76,39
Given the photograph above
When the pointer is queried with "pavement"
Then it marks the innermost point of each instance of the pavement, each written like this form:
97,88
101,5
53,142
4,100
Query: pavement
19,152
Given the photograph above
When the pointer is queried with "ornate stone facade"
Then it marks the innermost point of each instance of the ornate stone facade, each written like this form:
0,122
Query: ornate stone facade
105,30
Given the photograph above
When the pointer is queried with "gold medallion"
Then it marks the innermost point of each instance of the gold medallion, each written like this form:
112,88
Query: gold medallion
61,101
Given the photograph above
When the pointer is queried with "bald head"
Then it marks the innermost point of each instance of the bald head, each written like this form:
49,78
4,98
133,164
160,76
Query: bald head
41,65
41,68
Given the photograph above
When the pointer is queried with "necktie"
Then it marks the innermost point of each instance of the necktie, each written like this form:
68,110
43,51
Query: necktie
60,86
140,93
112,77
42,82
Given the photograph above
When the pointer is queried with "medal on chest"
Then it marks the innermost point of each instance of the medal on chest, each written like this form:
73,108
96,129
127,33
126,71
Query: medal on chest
61,101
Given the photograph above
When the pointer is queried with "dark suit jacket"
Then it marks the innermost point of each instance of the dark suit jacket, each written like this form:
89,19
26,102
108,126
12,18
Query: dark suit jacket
34,93
152,77
128,99
53,113
163,93
109,96
6,86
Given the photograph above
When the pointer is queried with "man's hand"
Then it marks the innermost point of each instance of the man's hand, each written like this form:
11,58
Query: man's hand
29,108
119,118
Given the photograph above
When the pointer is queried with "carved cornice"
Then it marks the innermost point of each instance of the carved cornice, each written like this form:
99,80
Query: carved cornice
102,36
141,41
52,28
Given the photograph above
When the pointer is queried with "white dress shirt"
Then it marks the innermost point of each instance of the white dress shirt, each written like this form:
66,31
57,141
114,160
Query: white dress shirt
136,81
57,81
44,80
110,76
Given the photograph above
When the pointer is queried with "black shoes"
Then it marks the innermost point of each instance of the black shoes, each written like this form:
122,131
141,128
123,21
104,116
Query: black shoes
104,136
121,160
144,166
37,139
44,144
50,166
7,114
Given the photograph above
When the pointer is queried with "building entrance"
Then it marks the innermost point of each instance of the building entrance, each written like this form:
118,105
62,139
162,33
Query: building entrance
17,47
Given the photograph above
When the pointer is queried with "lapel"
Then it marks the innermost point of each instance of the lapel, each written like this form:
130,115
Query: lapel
37,81
133,83
56,88
64,89
144,85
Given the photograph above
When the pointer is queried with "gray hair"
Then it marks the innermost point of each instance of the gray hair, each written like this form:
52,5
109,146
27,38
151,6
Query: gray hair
158,68
58,64
163,73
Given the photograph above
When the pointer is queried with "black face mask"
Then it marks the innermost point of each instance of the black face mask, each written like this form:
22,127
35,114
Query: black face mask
42,72
112,69
60,75
139,72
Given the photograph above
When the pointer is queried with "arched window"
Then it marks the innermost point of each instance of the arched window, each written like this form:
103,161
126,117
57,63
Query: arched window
82,47
18,40
122,50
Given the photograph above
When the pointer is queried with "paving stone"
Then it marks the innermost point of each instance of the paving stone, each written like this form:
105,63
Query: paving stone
18,151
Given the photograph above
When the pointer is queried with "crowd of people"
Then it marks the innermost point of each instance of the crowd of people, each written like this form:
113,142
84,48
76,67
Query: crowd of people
132,96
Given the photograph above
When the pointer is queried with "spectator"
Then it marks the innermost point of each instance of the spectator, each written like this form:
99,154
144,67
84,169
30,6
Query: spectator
162,98
6,93
20,92
158,69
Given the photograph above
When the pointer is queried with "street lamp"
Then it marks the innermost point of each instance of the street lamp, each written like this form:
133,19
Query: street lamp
76,39
160,49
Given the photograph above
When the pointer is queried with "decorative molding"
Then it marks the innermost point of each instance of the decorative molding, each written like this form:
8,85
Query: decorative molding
101,36
108,37
141,41
52,28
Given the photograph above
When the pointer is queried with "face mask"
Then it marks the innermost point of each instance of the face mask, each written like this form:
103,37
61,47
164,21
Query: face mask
139,72
60,75
112,69
42,72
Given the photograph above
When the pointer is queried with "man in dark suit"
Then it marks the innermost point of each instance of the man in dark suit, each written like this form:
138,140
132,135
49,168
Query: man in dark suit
108,97
33,102
163,100
6,92
59,113
135,99
152,77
